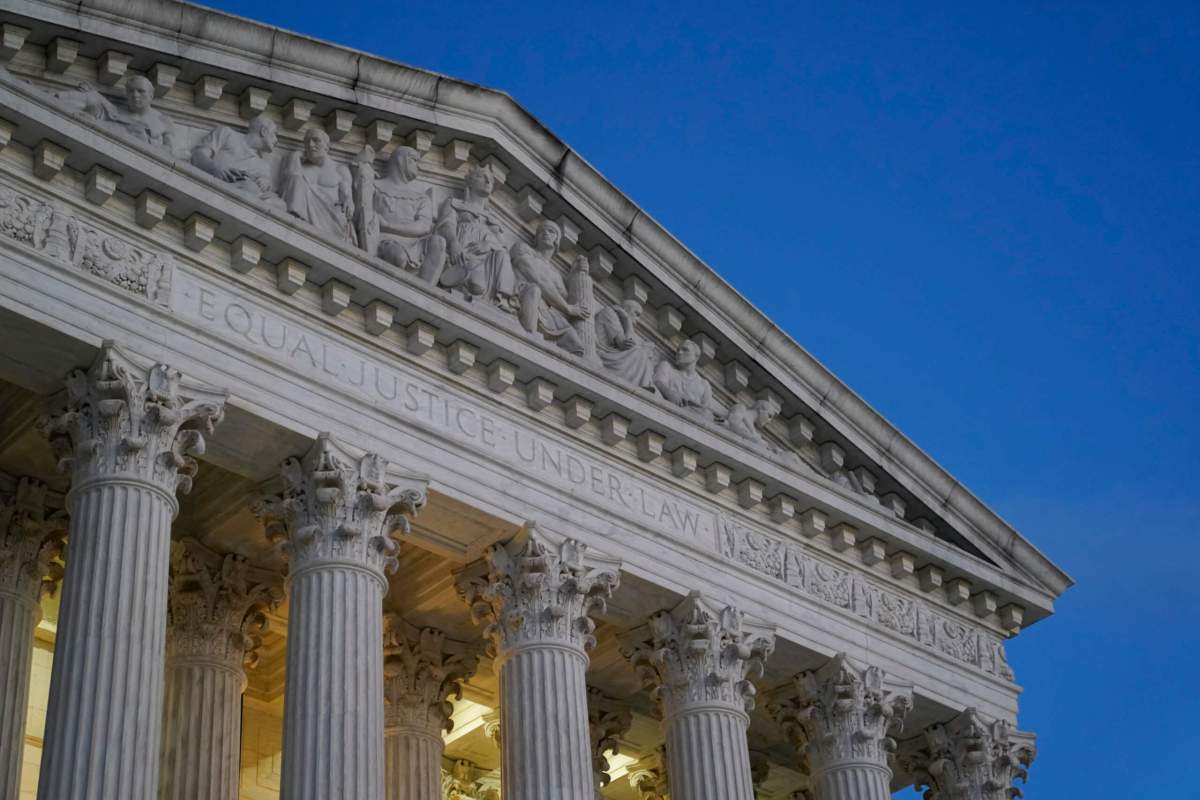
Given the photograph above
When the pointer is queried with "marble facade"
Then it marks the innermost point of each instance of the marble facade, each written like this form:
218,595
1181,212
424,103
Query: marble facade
365,442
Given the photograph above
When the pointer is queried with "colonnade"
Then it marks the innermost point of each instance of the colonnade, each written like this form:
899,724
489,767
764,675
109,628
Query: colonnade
152,641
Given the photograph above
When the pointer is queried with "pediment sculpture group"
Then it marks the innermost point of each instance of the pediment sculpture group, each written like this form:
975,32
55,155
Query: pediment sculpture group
459,245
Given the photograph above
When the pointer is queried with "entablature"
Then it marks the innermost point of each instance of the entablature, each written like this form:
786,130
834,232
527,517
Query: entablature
824,480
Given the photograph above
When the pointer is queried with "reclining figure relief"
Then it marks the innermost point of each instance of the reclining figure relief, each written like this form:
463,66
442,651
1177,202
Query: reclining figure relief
135,118
621,349
243,160
478,264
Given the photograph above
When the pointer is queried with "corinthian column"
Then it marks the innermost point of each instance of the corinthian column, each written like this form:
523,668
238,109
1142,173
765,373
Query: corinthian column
216,611
970,758
840,717
29,545
535,599
126,436
698,659
338,514
421,669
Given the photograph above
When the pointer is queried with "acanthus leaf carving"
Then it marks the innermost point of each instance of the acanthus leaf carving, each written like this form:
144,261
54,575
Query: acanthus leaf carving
841,713
422,670
608,721
700,654
116,419
217,606
533,591
31,542
339,508
970,758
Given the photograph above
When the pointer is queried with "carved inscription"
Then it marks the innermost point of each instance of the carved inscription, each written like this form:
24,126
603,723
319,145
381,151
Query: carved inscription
447,413
909,617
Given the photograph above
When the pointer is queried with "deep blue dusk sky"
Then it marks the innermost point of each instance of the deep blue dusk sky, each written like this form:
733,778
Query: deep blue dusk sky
984,220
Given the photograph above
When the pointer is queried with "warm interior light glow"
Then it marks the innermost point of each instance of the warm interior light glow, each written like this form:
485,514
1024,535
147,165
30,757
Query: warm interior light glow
467,717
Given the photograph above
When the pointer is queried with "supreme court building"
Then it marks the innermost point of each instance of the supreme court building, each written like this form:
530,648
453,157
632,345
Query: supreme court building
359,440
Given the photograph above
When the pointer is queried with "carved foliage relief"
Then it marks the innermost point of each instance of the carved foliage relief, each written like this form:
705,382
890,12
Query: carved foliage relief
908,617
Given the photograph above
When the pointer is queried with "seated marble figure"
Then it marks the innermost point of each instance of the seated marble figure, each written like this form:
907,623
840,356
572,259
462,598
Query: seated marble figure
243,160
544,303
317,189
477,257
136,117
682,384
748,420
398,215
620,348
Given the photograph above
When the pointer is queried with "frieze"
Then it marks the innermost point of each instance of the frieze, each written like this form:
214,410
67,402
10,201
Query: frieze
429,405
792,564
73,242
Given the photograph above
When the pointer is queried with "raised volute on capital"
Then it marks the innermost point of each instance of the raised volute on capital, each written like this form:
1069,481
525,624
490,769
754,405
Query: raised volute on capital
31,541
841,713
608,721
648,776
217,606
340,508
117,420
700,654
969,758
534,591
422,668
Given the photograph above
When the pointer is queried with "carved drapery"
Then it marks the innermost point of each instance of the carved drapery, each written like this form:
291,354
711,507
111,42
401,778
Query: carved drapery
698,660
336,516
841,719
127,436
31,542
535,599
216,613
421,670
970,758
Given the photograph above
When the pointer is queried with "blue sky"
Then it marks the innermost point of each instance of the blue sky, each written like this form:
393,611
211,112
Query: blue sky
984,219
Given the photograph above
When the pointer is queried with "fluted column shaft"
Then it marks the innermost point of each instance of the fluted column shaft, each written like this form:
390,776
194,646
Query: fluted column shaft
18,617
338,513
29,546
698,659
421,670
203,731
708,755
216,610
413,764
333,701
126,434
536,598
853,781
105,711
545,746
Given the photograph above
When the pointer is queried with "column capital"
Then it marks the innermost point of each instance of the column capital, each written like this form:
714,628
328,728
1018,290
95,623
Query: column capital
217,606
700,655
337,508
608,721
464,780
421,669
839,714
31,541
118,420
970,758
532,591
648,776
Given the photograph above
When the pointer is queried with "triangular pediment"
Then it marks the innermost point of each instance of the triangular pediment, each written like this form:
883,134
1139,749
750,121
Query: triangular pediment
429,201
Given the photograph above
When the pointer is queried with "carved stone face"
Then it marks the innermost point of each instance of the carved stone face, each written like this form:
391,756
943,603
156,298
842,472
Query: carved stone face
687,354
633,308
262,136
139,93
481,182
316,146
548,236
764,412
